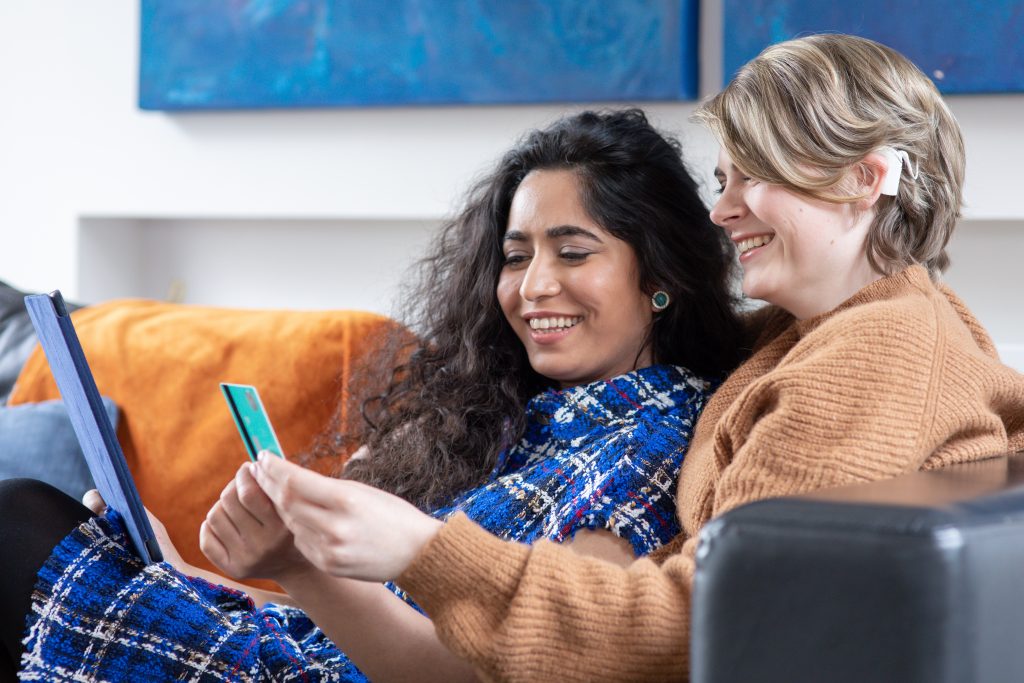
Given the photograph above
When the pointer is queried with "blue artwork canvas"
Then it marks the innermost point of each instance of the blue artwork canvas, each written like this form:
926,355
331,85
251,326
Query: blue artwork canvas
197,54
964,46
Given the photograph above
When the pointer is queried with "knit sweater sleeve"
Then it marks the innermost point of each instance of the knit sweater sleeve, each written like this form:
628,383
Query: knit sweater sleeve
854,401
543,612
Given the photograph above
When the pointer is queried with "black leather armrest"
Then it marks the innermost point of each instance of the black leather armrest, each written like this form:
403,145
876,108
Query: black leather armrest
919,578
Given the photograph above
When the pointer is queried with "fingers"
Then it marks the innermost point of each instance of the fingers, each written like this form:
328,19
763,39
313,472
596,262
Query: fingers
94,501
243,534
212,547
282,481
252,498
301,496
221,521
231,503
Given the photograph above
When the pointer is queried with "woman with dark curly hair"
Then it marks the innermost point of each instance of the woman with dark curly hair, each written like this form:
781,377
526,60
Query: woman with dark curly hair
473,372
571,323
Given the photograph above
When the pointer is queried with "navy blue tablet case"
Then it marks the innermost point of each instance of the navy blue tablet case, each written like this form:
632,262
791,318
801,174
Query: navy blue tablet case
92,427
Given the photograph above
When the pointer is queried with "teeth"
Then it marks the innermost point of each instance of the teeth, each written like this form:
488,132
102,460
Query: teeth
553,323
752,242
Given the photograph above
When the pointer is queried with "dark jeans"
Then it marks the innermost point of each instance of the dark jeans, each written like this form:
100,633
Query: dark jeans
34,518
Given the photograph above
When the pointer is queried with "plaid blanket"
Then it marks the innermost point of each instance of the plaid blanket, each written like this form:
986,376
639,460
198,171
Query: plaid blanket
98,614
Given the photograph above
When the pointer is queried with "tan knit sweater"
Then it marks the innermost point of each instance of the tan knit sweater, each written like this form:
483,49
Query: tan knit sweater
898,378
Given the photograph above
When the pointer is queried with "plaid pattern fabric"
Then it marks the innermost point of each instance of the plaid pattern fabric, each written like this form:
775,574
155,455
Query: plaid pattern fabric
99,615
604,455
599,456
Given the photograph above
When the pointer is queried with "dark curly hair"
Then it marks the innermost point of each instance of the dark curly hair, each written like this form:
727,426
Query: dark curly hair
459,397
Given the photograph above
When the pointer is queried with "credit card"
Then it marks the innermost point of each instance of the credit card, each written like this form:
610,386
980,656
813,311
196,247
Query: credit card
251,419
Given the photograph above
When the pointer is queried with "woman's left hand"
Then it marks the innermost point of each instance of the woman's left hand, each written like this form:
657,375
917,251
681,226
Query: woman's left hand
94,501
244,536
345,528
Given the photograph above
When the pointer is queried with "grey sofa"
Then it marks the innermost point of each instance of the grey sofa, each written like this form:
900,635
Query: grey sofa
913,579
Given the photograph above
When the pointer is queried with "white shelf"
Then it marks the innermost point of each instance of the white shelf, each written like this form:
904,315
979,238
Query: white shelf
306,263
359,263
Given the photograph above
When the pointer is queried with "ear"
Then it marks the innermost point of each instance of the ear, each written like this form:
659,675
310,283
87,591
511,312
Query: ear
869,176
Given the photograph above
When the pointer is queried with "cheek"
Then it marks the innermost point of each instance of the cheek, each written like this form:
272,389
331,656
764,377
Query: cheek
507,292
772,203
761,205
619,298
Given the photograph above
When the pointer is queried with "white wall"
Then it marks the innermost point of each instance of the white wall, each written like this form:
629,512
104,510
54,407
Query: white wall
325,207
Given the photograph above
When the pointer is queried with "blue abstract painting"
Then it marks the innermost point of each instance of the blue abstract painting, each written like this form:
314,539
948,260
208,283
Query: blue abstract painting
198,54
964,46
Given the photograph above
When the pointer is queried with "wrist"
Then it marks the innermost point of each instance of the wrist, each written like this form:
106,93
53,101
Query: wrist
296,575
427,532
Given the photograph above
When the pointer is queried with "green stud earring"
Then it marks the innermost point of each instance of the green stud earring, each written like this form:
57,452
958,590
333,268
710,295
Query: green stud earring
660,301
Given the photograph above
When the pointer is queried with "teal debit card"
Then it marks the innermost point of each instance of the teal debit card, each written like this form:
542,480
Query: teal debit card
251,419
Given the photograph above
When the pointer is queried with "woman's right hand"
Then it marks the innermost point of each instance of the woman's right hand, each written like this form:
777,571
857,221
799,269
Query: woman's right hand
244,536
345,528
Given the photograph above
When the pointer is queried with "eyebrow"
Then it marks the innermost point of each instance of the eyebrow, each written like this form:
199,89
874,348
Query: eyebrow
554,233
719,173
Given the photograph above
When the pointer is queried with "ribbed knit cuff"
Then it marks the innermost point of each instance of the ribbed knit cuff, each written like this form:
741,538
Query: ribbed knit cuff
465,563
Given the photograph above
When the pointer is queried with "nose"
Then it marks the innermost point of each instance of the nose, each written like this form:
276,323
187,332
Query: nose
729,208
540,280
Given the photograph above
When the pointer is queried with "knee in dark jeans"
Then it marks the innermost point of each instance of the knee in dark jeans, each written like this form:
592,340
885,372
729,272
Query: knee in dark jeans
34,518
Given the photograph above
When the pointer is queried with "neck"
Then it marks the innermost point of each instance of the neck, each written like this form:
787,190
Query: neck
838,291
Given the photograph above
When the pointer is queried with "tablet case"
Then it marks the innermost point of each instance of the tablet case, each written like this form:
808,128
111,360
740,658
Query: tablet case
92,427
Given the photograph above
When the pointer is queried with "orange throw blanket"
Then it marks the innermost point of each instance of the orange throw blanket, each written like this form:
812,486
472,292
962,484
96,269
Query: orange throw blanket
162,364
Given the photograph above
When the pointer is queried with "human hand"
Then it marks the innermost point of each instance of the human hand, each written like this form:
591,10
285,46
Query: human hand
345,528
244,536
94,501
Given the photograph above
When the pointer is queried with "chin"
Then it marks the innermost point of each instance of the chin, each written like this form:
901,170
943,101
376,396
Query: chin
558,377
561,379
548,371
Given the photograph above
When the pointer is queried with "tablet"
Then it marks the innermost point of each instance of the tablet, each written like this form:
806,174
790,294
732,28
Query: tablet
92,427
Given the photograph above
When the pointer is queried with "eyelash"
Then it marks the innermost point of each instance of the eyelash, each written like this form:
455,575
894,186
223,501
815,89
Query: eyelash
746,179
574,255
571,256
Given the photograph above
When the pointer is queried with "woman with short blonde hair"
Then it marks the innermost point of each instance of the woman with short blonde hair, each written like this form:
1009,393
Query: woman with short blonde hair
805,112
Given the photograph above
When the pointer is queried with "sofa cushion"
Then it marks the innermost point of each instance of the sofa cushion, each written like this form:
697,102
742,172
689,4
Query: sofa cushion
17,336
38,441
162,364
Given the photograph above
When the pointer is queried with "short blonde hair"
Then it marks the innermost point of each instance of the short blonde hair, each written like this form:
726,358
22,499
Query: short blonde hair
806,112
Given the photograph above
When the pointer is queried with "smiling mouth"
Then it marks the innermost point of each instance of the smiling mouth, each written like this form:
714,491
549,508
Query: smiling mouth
743,246
554,324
